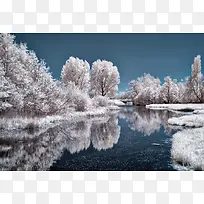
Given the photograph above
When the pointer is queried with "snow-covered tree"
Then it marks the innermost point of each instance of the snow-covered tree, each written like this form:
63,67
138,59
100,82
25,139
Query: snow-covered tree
145,89
9,97
169,91
104,79
195,84
77,72
182,96
28,77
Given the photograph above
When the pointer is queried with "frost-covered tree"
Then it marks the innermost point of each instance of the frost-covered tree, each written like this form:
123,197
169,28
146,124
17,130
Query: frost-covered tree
28,77
195,84
145,89
77,72
9,97
104,78
182,96
169,91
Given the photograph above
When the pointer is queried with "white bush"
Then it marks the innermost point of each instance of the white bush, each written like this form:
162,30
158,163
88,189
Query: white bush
100,101
82,102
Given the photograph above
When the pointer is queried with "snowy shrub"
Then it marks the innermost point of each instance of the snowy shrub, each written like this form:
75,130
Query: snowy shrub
82,102
74,98
100,101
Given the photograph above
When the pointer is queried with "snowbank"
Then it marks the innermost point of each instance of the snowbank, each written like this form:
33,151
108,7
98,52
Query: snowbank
50,121
116,102
188,148
177,107
188,121
24,123
198,112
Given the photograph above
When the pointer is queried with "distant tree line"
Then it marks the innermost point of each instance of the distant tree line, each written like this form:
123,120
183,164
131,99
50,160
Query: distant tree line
148,90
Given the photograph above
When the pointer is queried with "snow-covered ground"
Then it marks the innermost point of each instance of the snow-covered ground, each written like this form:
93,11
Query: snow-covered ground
176,107
187,144
116,102
23,122
188,148
198,111
50,121
192,121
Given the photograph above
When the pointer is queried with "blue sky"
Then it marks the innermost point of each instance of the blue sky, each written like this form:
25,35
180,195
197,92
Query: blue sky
133,54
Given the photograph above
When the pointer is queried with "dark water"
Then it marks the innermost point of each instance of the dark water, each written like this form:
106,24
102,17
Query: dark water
132,139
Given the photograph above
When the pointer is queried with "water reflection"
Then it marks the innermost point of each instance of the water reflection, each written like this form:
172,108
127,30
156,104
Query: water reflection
18,151
145,120
105,134
23,150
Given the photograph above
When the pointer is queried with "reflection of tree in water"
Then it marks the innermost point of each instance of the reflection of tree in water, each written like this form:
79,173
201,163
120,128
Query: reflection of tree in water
105,133
19,152
80,137
36,153
145,120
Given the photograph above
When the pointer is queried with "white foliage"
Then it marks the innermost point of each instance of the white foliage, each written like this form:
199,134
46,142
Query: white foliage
100,101
195,84
75,98
104,78
33,88
145,89
77,72
169,91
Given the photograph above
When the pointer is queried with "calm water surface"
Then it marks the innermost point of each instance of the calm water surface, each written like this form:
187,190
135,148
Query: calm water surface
133,139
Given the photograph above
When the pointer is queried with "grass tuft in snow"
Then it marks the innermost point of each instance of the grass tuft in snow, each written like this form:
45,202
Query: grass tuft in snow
188,148
188,121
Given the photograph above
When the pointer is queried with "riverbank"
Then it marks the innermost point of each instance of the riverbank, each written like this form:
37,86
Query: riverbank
31,123
176,107
188,143
188,148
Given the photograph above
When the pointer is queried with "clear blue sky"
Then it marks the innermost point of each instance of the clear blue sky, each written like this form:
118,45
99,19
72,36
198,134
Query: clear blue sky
133,54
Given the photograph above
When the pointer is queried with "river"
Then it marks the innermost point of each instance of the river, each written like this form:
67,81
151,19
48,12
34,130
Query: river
134,138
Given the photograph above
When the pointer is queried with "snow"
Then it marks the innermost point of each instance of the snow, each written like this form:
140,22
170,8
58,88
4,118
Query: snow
23,122
188,148
5,105
198,111
177,107
50,121
4,94
188,120
116,102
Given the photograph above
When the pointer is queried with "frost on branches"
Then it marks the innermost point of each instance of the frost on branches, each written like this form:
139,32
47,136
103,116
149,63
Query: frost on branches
104,79
195,84
169,91
77,72
145,89
26,86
